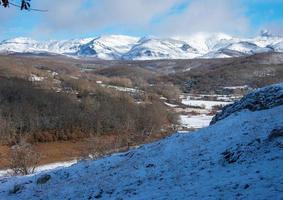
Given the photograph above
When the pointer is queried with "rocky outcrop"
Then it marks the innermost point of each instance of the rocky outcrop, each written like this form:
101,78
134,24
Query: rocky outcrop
261,99
276,133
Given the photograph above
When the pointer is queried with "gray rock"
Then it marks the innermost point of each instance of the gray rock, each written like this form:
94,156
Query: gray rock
261,99
16,189
275,133
43,179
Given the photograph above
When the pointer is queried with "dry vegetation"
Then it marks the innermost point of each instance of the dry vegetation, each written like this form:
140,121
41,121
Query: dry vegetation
23,159
41,115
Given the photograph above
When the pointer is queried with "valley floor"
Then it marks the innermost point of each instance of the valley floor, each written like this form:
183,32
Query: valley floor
49,152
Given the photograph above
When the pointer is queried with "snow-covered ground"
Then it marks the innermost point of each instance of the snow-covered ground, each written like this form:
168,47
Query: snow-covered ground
195,121
120,88
42,168
170,105
237,87
215,97
204,104
35,78
233,159
197,113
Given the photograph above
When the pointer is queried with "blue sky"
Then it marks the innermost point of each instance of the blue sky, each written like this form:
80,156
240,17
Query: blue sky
89,18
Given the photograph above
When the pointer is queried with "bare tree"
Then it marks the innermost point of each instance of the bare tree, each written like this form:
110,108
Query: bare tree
22,4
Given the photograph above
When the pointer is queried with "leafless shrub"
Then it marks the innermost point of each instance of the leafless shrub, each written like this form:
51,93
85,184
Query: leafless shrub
215,109
151,118
99,146
78,84
23,159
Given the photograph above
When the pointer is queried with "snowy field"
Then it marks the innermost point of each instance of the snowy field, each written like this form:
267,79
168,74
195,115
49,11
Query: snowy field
121,89
198,110
204,104
195,121
233,159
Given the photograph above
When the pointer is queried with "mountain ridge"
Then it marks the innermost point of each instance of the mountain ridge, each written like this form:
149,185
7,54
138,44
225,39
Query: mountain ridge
122,47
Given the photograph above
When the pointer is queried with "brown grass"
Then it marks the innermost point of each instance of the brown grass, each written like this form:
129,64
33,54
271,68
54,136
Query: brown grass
61,151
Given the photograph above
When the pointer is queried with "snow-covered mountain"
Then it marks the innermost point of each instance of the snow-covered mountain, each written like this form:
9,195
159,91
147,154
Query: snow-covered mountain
108,47
27,45
236,49
278,47
239,157
120,47
153,48
205,42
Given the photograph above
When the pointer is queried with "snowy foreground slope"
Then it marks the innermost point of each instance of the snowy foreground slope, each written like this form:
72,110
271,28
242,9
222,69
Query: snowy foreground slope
233,159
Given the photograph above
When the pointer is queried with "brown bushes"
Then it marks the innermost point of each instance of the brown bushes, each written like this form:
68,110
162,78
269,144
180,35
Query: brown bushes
44,116
168,91
118,81
120,114
7,131
31,110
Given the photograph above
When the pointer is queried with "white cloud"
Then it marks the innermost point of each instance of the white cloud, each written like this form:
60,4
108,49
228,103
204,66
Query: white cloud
79,17
207,16
72,15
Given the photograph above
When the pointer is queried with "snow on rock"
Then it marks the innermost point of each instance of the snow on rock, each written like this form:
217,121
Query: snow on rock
260,99
232,159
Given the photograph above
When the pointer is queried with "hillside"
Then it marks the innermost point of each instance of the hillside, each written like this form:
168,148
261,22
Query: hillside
239,157
190,75
214,74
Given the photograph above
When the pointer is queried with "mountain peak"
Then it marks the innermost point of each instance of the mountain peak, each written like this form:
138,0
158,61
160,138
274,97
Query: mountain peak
20,40
266,33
